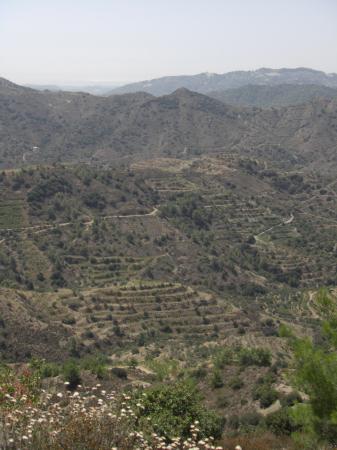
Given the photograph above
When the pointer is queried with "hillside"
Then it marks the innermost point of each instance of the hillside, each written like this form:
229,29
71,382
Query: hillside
208,82
119,246
45,127
164,247
165,271
273,96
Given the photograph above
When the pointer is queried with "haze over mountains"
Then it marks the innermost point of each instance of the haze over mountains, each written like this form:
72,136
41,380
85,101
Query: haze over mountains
90,88
207,82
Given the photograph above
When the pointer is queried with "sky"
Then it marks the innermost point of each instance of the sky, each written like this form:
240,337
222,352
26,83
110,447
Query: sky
102,41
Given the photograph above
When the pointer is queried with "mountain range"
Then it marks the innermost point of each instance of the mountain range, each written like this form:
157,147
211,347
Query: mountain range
39,127
207,82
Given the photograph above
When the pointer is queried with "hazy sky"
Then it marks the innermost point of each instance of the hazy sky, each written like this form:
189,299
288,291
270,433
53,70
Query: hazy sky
73,41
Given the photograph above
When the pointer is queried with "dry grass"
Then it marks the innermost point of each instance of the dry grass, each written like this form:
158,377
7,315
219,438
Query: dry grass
263,442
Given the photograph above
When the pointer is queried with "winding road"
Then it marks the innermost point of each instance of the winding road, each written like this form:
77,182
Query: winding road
284,222
47,227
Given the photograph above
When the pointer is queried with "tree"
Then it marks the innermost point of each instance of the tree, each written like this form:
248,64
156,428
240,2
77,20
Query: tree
316,375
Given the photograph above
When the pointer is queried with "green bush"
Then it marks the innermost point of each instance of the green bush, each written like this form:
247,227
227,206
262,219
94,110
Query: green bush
217,380
265,394
284,331
281,422
173,408
96,365
236,383
252,418
50,370
223,357
71,374
45,369
291,399
254,357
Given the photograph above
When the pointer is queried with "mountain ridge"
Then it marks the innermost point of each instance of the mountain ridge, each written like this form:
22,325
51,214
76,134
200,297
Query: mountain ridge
44,127
206,82
262,96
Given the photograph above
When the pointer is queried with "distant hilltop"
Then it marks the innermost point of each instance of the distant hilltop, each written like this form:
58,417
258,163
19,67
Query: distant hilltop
208,82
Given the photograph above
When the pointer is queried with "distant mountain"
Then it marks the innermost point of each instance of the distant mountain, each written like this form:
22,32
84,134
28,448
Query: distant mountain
273,96
207,82
94,89
43,127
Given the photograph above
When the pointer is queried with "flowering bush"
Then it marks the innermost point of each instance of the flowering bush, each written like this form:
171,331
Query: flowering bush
86,420
168,417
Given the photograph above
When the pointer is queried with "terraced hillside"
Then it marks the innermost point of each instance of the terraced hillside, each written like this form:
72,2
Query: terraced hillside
123,316
171,249
147,312
195,268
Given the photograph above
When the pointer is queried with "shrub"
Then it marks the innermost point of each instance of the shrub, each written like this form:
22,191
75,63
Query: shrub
236,383
69,321
173,408
50,370
217,380
281,422
47,188
252,418
119,372
223,357
284,331
95,200
45,369
233,422
291,399
254,357
265,394
199,373
71,374
95,364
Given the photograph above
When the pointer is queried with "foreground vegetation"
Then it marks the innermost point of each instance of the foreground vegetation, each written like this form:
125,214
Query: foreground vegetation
163,417
171,413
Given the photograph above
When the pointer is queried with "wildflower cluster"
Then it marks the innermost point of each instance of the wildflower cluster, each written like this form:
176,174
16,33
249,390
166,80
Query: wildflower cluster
85,419
17,389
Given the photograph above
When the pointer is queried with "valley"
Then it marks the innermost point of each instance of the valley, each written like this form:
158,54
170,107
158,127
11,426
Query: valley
148,240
